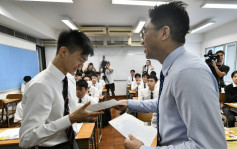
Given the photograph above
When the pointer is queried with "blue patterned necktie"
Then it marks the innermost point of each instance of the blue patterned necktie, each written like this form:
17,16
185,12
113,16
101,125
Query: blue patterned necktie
69,131
162,78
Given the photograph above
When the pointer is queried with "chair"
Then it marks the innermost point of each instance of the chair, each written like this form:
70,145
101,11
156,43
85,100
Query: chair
145,117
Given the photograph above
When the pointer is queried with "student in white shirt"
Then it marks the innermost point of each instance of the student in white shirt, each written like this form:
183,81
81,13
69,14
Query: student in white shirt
151,92
131,77
143,84
93,91
99,80
51,96
96,84
148,67
136,82
82,93
23,85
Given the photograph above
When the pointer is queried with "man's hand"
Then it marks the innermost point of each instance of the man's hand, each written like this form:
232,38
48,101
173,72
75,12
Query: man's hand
133,143
122,107
81,115
213,63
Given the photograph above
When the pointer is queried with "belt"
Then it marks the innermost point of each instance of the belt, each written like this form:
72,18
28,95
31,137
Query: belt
65,145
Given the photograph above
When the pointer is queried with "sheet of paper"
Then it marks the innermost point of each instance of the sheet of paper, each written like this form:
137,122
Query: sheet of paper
103,105
10,134
77,127
127,124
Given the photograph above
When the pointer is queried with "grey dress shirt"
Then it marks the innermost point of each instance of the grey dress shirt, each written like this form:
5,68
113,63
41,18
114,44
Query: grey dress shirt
189,108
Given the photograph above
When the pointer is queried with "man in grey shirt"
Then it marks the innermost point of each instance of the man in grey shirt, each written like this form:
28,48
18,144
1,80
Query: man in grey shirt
188,106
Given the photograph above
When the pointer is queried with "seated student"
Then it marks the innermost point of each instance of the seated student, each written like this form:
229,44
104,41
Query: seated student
78,76
96,84
231,96
93,91
148,67
143,84
136,82
131,77
82,93
99,80
151,92
23,85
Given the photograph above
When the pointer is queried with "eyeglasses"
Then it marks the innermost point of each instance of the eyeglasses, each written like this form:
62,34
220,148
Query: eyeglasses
145,29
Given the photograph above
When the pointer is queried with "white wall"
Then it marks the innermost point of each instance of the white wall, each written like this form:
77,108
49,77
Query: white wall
222,35
123,59
14,42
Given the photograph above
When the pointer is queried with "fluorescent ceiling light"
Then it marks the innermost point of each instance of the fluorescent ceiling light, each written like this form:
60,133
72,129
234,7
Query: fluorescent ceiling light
69,23
202,26
220,4
138,2
140,25
58,1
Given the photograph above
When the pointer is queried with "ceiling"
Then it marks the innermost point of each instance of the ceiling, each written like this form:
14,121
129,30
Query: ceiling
45,15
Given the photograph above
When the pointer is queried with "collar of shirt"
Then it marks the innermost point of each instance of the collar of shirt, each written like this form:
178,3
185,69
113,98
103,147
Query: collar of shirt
234,85
56,72
171,58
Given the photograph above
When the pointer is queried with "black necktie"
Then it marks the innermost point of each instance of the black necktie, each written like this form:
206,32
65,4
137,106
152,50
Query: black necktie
69,130
162,78
80,100
144,85
147,69
151,95
132,78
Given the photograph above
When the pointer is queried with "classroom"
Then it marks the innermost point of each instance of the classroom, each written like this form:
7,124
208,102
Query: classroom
129,56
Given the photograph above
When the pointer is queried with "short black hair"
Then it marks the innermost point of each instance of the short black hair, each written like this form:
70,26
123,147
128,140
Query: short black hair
87,76
98,73
137,75
152,77
82,83
220,51
149,61
78,74
93,75
233,73
153,73
173,15
145,74
27,78
75,40
132,70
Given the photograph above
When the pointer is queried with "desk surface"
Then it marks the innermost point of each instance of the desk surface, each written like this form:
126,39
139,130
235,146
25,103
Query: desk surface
10,100
104,90
84,133
132,92
231,105
135,98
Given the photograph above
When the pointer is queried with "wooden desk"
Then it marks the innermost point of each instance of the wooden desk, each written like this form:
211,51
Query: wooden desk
7,103
102,98
82,138
104,93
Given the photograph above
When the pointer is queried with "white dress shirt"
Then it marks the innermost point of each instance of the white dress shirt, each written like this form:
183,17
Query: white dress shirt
141,87
86,99
99,86
19,113
147,69
23,86
129,81
43,120
94,92
145,94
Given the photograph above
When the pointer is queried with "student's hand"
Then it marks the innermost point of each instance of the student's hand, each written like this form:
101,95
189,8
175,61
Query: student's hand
133,143
81,115
122,107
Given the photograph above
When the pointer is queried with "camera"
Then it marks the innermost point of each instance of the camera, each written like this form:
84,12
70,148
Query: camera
211,57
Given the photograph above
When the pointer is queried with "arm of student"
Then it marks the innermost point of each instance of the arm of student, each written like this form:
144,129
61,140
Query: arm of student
143,105
34,129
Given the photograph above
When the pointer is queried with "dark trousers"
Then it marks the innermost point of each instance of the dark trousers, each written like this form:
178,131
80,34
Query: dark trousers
231,117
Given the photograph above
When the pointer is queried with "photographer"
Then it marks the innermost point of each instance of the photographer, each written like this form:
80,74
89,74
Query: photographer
108,77
90,69
218,69
148,67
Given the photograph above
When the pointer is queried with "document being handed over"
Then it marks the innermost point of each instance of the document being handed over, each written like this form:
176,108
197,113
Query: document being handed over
103,105
127,124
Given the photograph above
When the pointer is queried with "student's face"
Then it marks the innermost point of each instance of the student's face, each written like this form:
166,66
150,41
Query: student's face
147,63
98,77
152,41
151,83
71,61
78,78
132,73
81,91
138,79
235,78
144,79
94,79
87,79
